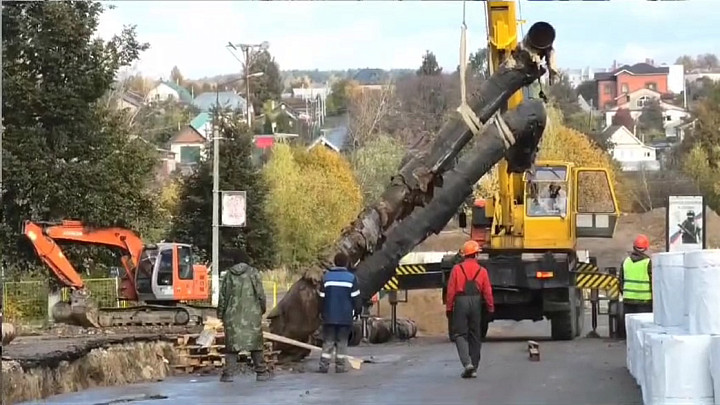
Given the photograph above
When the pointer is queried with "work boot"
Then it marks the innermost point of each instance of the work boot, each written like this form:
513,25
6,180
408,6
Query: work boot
340,368
324,367
473,374
263,376
231,367
468,371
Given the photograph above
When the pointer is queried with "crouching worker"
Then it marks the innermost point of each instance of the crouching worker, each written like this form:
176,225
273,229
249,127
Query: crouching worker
468,285
241,306
339,298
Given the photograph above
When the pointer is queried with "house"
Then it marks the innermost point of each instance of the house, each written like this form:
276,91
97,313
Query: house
188,145
337,139
228,100
677,130
578,76
637,100
629,151
696,75
203,124
167,90
263,145
284,109
130,101
612,86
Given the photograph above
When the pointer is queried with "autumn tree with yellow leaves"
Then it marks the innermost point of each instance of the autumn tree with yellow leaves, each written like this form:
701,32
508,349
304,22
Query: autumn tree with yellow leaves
313,195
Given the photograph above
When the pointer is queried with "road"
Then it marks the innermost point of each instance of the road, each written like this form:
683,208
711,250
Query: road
423,371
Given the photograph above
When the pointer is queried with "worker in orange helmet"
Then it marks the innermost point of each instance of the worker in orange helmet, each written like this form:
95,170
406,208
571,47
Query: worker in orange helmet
636,278
468,287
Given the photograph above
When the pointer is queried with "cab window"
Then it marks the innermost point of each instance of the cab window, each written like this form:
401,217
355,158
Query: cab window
165,268
185,262
546,192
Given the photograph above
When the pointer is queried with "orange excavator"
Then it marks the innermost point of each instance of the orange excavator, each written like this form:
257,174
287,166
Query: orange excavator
160,277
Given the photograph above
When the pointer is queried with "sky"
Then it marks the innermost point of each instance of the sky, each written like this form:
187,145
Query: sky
328,35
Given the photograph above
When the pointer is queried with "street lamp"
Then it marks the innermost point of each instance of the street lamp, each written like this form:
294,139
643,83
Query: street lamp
245,48
215,278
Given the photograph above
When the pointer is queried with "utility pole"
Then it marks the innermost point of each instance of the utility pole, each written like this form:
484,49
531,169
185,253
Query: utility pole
247,86
248,56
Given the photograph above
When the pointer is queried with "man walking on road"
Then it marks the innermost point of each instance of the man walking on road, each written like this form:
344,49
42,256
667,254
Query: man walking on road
636,277
469,284
339,297
241,306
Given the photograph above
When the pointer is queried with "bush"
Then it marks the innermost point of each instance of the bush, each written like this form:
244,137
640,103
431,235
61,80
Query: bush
374,165
313,195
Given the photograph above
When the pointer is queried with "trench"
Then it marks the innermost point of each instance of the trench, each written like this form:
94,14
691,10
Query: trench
100,363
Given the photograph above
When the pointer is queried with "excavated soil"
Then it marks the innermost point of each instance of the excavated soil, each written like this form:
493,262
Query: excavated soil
84,364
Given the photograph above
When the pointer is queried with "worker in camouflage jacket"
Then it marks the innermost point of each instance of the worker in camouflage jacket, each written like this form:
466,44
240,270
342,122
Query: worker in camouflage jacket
241,306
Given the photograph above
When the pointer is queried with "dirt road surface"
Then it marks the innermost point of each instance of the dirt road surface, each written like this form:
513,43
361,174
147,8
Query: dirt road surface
423,371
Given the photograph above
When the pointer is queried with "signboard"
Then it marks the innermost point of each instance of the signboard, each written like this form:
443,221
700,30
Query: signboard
233,208
685,223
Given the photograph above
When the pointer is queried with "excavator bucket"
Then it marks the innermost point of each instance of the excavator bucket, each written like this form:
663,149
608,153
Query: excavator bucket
82,310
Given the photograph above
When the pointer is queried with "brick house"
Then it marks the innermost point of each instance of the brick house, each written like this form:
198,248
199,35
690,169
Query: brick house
616,85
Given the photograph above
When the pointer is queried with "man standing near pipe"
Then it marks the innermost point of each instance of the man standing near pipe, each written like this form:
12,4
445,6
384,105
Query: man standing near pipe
468,287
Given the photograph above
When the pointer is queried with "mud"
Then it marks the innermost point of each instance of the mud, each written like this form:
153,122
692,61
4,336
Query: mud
86,364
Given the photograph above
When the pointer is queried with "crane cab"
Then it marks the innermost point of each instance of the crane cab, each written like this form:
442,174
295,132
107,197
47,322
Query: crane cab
167,272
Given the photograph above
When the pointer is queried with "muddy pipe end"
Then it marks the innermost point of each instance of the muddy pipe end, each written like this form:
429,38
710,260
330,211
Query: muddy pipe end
540,37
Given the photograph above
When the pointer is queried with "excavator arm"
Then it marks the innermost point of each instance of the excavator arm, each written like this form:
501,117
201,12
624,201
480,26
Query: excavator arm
43,236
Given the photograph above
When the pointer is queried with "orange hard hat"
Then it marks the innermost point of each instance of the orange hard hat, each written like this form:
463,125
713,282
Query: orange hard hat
470,248
641,242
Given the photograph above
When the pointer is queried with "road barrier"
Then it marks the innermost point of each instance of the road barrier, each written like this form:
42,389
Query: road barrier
27,301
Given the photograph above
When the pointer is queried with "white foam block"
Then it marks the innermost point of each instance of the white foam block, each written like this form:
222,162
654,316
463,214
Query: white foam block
677,369
668,275
639,352
631,325
715,366
702,295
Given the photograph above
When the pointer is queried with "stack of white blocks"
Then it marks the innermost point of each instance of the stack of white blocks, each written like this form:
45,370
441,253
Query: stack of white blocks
674,352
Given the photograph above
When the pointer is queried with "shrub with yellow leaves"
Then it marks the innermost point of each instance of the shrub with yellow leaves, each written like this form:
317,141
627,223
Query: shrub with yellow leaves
313,195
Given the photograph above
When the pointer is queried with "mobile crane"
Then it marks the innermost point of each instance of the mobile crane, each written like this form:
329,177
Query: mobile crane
161,276
431,185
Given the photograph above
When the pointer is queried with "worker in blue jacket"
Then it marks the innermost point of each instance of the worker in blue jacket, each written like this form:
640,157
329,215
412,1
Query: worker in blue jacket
339,298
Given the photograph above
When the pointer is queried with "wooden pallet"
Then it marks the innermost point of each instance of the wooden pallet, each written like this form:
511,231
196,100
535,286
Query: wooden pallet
195,358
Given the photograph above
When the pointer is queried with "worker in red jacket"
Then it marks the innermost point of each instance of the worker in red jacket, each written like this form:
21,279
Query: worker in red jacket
468,287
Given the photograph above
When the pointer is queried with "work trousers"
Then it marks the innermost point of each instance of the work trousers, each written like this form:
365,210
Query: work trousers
335,337
637,307
466,328
232,367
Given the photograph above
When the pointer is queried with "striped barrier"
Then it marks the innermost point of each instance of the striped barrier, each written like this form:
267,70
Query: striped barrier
403,270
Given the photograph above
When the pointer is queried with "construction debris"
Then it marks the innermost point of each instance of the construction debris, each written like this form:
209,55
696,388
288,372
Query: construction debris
534,350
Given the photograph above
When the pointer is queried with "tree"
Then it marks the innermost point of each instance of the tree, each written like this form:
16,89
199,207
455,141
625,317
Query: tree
313,195
622,117
589,91
562,93
366,111
429,65
478,63
337,101
696,164
177,77
65,154
157,122
375,163
650,122
269,86
687,61
193,221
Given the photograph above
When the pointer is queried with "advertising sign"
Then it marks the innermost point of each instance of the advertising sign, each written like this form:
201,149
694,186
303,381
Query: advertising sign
233,208
685,223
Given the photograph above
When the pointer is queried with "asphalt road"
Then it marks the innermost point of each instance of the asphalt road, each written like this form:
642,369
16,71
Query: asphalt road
423,371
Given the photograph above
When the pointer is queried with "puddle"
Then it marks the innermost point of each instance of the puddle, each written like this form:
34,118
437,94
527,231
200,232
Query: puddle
144,397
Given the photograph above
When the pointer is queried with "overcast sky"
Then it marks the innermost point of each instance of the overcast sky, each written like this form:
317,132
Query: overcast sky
391,34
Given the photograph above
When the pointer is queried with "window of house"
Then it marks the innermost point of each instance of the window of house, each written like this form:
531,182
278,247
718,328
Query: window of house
643,101
608,88
625,88
668,118
190,154
651,86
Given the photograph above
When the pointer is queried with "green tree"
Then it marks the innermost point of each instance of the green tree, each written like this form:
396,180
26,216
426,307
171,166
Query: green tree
375,163
193,221
650,121
588,90
269,86
176,76
157,122
65,154
337,101
562,93
429,65
478,63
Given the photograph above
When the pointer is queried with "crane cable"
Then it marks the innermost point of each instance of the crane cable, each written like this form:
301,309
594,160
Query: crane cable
468,115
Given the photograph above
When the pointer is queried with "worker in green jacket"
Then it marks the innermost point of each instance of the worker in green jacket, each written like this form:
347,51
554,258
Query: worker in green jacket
636,278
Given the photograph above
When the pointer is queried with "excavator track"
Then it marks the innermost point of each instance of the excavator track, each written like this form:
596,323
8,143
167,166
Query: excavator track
154,315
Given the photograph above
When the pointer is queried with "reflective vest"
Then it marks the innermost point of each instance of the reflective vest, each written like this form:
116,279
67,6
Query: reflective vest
636,281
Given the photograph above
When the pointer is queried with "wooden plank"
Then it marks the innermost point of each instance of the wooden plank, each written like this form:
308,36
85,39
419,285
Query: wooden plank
354,362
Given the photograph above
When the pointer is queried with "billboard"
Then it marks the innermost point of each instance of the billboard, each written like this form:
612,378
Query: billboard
233,208
685,223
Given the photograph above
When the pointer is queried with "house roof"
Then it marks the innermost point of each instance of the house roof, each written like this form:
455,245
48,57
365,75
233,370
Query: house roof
200,120
133,98
227,99
183,93
613,129
336,139
187,135
636,69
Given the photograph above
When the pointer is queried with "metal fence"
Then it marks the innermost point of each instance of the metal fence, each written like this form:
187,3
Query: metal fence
27,301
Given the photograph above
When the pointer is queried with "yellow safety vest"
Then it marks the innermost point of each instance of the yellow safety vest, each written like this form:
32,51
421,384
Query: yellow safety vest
636,281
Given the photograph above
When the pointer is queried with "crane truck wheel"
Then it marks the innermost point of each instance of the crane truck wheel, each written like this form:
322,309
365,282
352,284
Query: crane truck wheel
568,325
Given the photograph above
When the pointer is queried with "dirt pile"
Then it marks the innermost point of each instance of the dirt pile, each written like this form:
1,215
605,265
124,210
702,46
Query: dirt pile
103,366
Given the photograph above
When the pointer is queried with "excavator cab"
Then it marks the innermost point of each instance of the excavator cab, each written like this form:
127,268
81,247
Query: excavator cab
167,272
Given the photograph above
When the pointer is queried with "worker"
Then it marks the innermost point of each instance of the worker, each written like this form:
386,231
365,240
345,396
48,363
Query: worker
340,300
241,306
468,287
636,277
